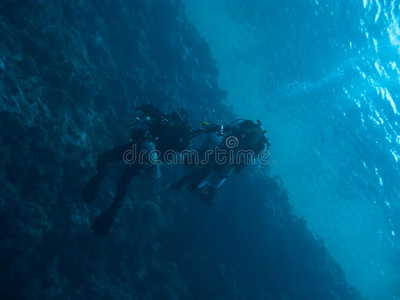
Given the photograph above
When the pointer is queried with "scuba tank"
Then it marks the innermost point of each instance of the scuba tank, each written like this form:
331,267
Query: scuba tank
247,133
151,163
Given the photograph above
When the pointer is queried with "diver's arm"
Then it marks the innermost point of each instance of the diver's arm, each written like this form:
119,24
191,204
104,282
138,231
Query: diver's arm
211,128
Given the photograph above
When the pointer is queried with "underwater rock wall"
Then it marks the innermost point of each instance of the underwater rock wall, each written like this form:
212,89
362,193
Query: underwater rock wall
71,75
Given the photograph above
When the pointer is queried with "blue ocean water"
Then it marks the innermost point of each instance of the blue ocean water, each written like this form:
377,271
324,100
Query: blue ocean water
324,78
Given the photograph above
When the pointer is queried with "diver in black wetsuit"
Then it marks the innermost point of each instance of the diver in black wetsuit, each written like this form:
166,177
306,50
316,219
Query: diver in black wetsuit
153,134
240,141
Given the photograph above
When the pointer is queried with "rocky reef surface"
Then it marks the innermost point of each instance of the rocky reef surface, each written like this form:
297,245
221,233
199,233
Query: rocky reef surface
71,75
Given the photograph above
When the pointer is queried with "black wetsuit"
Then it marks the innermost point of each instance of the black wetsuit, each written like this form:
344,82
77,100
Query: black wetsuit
220,165
154,126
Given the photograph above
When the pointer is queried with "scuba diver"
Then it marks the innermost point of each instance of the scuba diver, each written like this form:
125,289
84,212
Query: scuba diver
152,135
235,145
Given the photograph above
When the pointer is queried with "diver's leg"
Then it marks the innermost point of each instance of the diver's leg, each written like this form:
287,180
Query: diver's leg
213,182
185,179
92,186
125,179
90,190
114,154
104,221
197,178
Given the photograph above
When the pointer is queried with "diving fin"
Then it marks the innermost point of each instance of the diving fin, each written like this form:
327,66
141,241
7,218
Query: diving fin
207,197
103,223
184,180
214,180
92,186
